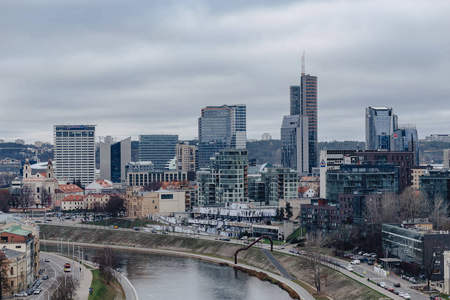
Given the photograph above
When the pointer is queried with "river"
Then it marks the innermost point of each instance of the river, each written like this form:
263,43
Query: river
163,277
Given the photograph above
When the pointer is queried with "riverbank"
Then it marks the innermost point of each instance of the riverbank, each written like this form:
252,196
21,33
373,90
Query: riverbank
337,284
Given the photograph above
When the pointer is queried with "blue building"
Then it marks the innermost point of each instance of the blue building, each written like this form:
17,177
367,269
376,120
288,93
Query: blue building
157,148
381,123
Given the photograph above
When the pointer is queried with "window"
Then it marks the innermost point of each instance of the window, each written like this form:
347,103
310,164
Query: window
12,271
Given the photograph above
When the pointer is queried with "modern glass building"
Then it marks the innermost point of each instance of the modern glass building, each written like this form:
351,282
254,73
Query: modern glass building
221,127
294,143
303,101
157,148
381,123
407,139
351,178
272,185
113,160
226,179
74,152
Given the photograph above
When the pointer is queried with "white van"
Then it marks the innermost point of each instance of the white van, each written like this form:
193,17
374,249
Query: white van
356,262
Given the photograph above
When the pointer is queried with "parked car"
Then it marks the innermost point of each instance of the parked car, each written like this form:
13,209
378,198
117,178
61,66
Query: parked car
406,296
47,260
413,280
45,277
383,284
21,294
349,268
397,284
37,291
355,262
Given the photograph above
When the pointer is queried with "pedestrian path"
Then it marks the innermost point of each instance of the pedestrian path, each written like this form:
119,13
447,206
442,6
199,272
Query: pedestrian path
277,264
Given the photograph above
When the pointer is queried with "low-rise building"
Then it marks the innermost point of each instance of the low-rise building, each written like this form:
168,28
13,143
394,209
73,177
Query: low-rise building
20,244
417,244
163,202
276,231
72,202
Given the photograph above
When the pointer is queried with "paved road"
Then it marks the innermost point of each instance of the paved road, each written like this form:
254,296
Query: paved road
277,264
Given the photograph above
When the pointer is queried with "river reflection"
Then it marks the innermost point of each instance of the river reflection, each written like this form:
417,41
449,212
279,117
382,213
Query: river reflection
165,277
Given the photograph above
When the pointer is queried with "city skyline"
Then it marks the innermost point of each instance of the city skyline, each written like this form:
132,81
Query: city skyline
132,70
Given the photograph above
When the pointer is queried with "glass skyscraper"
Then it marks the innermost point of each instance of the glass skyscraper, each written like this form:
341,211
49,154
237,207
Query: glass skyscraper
114,156
381,124
221,127
294,143
303,101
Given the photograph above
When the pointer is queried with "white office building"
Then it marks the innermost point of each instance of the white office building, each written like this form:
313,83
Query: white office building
74,152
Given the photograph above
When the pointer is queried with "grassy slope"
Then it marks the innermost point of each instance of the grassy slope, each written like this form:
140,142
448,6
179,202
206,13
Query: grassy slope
338,285
104,291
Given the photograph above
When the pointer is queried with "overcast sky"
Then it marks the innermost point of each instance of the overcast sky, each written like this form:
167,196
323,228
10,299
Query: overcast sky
148,67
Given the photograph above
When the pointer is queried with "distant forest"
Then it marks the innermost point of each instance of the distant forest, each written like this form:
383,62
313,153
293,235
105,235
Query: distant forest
270,151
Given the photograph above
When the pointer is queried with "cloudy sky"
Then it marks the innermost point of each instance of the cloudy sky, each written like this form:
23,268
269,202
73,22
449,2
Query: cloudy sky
148,67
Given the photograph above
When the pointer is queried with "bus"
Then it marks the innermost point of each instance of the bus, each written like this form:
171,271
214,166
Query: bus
67,267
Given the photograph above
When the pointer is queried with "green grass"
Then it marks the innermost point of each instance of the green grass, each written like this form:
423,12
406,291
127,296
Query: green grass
101,289
297,233
125,223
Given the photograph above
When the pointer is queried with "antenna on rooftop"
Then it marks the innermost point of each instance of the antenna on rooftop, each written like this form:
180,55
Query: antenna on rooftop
303,63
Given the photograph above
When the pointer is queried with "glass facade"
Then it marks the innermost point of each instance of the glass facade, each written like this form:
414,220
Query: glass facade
158,149
226,179
380,126
351,178
294,143
221,127
116,163
303,101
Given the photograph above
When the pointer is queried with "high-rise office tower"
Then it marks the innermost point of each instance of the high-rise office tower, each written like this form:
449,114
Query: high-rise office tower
303,101
114,157
407,139
381,123
74,152
294,143
186,157
157,148
221,127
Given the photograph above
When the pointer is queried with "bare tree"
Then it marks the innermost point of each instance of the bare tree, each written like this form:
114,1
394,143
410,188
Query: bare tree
26,197
64,288
314,245
107,261
413,204
438,212
46,197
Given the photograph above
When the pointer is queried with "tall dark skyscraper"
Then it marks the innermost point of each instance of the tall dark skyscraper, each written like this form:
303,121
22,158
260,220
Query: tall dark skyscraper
113,158
303,102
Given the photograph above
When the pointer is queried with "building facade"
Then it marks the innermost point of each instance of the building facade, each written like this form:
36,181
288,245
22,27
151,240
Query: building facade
303,101
145,178
157,148
113,159
74,152
272,185
355,177
185,157
221,127
381,123
225,181
294,143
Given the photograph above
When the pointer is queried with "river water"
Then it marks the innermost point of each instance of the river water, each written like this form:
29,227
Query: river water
163,277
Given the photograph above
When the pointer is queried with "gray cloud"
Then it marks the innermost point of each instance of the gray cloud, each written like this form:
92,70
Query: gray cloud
139,67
